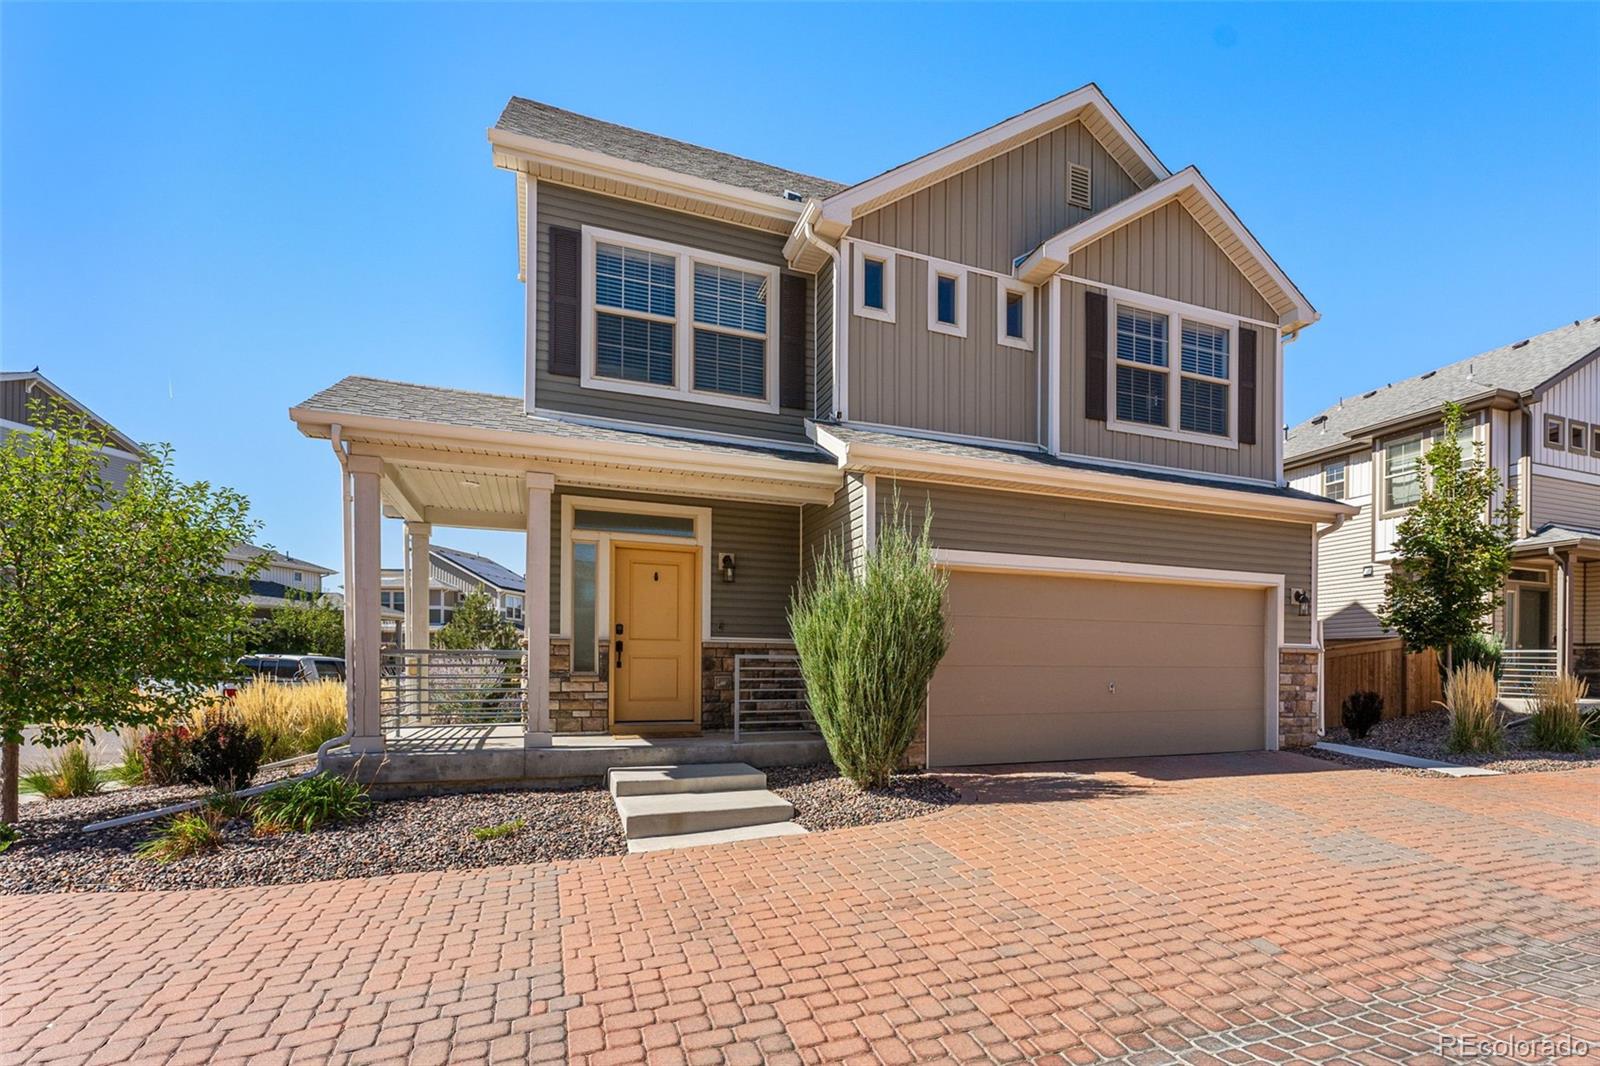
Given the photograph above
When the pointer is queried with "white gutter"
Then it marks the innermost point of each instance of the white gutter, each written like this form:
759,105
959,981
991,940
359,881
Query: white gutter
1316,623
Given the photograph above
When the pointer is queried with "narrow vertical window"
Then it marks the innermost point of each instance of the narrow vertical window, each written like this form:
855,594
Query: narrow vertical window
872,283
583,606
947,299
1014,321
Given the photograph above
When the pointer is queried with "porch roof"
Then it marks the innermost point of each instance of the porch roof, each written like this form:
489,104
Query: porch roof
1552,535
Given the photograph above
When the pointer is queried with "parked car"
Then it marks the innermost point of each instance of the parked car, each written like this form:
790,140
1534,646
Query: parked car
294,669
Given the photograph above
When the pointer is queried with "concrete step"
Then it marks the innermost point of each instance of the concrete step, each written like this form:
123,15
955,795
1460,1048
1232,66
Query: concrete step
717,836
690,777
673,814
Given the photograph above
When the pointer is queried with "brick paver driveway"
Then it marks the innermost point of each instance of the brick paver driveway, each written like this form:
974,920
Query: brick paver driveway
1203,909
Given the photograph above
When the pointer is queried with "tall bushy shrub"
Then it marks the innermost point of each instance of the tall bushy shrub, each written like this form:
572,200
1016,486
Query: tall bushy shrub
1360,712
869,637
1471,696
1480,649
223,753
1556,724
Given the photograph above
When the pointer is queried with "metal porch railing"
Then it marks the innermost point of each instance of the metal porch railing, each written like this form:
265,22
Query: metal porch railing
1521,669
434,687
769,694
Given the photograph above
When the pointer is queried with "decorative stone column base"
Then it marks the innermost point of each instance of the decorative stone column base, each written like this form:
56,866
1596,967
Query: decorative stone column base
1297,697
579,703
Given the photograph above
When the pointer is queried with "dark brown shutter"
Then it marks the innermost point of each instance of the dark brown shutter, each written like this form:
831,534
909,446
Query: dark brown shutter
565,277
792,341
1247,386
1094,356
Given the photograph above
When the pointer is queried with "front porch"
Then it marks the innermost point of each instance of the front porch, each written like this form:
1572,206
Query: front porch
1551,620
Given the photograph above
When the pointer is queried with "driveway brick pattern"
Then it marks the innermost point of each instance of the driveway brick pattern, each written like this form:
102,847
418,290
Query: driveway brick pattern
1244,908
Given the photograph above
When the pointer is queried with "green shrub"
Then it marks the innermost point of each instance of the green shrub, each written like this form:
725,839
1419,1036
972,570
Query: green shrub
9,835
1471,697
302,805
222,753
67,774
1478,649
185,833
1360,712
164,751
868,644
1556,723
495,832
132,770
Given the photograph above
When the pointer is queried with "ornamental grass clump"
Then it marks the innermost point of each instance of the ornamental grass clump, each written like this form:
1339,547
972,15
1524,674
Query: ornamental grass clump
302,805
1471,696
869,637
68,774
186,833
1556,724
291,719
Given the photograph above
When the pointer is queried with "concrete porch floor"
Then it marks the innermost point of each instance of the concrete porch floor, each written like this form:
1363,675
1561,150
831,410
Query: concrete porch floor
460,755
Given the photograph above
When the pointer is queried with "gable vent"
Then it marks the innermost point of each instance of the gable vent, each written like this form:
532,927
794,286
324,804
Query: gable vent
1078,187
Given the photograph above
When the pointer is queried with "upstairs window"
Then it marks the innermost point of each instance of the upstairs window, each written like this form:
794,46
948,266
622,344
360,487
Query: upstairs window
635,295
872,281
872,274
1577,437
1141,343
1402,479
1555,432
947,299
1333,480
730,335
1204,365
1191,396
1014,313
946,302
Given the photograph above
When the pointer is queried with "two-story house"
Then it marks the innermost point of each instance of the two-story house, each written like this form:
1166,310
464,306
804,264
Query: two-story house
281,580
1533,407
1069,352
453,575
25,393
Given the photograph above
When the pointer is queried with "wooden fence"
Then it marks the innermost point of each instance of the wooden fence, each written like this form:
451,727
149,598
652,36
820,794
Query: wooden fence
1408,683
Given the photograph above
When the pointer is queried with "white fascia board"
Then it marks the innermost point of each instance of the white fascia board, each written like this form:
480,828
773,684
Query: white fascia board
1054,253
906,462
840,207
565,155
533,447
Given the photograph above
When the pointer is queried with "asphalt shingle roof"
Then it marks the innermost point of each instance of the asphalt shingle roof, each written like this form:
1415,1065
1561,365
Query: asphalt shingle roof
481,566
1519,367
535,119
378,398
1551,533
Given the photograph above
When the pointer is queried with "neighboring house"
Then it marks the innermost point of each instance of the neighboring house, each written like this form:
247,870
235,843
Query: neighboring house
282,579
1071,352
20,391
453,574
1534,407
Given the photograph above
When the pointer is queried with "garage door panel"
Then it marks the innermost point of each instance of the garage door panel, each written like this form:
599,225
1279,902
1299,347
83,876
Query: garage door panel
1089,642
1033,659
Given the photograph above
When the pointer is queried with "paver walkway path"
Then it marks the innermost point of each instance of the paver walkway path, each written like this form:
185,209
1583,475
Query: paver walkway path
1226,908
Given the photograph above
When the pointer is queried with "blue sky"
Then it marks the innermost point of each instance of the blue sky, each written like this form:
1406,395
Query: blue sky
207,213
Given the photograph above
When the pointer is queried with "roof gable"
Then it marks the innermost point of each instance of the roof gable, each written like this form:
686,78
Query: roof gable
32,379
481,567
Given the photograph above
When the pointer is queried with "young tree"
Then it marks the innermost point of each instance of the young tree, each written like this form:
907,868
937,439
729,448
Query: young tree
302,626
476,624
111,613
1453,551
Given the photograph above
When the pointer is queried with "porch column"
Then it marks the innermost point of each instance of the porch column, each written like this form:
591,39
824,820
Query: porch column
1564,591
536,610
361,586
417,581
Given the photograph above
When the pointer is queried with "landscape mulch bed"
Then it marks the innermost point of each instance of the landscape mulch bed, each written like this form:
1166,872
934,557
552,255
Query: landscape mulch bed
409,834
1424,736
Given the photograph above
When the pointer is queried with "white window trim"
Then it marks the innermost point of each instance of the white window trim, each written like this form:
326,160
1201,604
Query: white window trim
860,253
602,556
683,323
1175,313
938,268
1382,471
1004,288
1343,466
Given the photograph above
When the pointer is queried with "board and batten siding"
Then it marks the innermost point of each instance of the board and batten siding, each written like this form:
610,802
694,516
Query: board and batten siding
560,205
1564,500
764,539
822,286
976,519
1085,436
989,214
904,374
1577,396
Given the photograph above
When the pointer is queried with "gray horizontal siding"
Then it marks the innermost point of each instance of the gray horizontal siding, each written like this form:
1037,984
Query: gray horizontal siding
1564,502
904,374
974,519
764,539
822,525
561,205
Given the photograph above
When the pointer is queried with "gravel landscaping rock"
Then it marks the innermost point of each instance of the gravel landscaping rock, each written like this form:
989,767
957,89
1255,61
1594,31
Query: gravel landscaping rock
824,800
1424,735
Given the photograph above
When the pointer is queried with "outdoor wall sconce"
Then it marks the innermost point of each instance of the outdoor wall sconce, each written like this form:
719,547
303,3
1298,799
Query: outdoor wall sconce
725,564
1302,600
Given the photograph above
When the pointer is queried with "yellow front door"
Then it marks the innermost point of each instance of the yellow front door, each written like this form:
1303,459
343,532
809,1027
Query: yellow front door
655,650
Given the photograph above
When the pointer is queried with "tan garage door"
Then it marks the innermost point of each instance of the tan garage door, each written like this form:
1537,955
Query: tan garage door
1043,668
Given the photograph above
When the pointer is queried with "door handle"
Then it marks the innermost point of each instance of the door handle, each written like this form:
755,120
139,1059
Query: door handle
619,655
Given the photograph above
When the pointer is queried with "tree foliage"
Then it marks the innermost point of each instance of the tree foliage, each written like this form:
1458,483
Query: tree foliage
476,624
110,611
869,639
301,626
1453,551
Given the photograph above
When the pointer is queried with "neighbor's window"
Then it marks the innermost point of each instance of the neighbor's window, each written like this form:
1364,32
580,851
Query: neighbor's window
1594,440
1333,476
297,577
1141,393
1402,480
1577,436
635,296
730,331
1203,403
1555,432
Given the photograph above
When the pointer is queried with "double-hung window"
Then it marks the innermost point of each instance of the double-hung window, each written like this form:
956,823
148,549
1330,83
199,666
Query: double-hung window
1333,480
1402,477
1190,396
663,318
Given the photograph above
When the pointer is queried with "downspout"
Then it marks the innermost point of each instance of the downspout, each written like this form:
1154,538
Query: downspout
809,235
1316,623
346,503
